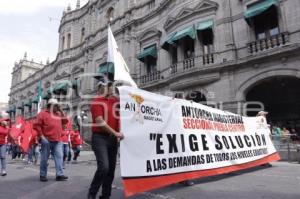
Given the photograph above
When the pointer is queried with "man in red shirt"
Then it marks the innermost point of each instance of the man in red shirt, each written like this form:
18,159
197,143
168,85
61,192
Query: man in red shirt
105,136
49,126
3,139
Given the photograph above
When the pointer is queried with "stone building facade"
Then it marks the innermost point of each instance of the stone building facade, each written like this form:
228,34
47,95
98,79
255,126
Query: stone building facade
230,54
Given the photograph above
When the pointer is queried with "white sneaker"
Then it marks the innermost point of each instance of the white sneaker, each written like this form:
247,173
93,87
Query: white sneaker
3,173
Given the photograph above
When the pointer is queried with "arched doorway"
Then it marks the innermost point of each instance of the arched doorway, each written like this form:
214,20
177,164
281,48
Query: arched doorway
197,97
281,98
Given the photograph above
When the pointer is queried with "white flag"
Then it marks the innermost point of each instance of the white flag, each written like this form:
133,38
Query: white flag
114,56
39,97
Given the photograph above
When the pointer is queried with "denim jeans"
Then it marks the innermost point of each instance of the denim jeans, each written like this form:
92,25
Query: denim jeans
105,149
69,153
3,157
33,152
76,150
16,152
65,148
30,154
55,148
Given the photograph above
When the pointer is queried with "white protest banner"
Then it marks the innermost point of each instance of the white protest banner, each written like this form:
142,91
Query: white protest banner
171,140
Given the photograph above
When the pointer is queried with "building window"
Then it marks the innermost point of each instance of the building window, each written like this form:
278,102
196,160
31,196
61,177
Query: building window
173,53
149,57
82,35
150,64
206,38
75,86
179,95
266,24
196,96
110,14
69,41
188,47
152,4
63,43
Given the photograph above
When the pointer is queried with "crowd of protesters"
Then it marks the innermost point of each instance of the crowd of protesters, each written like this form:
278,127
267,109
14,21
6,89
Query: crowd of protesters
56,136
285,132
47,135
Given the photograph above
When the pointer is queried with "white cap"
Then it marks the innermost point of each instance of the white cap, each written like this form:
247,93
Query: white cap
261,113
103,83
52,101
5,123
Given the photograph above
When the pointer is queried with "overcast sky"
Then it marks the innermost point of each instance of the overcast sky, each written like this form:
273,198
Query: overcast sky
25,26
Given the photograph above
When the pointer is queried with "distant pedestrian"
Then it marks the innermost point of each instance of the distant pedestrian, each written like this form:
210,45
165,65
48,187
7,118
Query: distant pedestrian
34,150
264,117
4,129
66,141
49,126
285,132
276,136
76,143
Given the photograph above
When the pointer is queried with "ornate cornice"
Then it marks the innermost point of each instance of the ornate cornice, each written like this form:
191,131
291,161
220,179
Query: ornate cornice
77,70
63,75
149,34
203,7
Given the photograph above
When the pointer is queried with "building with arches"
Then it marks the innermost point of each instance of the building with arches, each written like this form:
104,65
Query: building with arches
237,55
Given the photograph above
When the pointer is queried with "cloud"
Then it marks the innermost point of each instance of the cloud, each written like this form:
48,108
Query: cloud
30,7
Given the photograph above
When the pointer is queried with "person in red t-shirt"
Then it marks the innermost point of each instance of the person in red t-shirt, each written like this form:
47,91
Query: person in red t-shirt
105,135
76,143
3,139
66,140
49,126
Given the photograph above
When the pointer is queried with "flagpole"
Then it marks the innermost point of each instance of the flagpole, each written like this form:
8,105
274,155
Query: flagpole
108,27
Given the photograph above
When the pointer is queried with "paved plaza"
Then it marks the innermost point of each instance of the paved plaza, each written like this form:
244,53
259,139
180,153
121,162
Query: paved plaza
282,180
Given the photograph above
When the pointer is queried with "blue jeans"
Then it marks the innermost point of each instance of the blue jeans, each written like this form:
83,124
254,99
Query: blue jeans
66,149
33,152
55,148
3,157
76,150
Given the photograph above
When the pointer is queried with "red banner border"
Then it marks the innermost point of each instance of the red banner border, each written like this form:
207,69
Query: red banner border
133,186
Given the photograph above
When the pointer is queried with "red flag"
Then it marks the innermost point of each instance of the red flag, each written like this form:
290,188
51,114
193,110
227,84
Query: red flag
34,134
26,136
17,128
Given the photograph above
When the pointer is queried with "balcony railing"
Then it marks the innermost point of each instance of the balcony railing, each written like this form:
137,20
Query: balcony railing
268,43
208,59
151,77
188,63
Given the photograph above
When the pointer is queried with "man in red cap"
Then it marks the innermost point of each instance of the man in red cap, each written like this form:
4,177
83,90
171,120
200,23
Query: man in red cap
49,126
